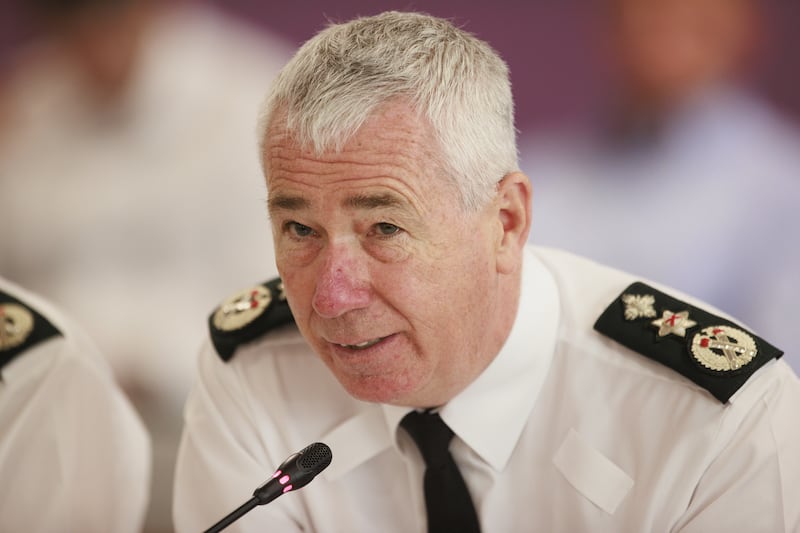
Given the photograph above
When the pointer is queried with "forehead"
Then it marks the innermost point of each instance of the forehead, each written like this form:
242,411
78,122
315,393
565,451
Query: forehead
394,141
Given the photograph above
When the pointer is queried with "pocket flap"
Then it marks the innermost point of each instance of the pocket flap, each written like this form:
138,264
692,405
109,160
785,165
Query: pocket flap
591,473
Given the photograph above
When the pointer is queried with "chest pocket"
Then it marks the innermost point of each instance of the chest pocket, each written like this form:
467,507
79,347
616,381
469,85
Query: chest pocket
591,473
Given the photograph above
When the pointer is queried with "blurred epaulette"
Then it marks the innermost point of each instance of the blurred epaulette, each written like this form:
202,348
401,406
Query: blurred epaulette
21,327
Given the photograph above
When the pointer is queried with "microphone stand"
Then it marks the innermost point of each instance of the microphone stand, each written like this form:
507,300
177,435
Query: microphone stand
235,515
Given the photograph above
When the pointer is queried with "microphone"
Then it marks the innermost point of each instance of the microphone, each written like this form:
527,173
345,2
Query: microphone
295,472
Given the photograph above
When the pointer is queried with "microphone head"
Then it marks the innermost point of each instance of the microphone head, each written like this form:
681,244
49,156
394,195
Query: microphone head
314,458
295,472
311,460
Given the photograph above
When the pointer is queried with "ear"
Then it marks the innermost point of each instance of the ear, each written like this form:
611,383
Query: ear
513,202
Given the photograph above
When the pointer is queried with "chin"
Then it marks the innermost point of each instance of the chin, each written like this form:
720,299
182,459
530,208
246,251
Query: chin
377,390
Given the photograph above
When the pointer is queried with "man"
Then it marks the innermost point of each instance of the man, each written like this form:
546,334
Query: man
681,144
148,105
146,111
74,455
400,220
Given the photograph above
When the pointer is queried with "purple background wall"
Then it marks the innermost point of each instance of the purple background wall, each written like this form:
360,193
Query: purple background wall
551,47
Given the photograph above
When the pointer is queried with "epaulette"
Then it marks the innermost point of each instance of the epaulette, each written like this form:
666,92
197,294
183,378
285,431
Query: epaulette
715,353
21,327
247,315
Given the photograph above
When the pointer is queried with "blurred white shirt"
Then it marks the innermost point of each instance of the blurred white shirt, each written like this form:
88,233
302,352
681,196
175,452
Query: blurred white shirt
136,220
74,456
708,207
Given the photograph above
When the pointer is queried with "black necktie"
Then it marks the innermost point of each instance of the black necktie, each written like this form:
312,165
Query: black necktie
447,499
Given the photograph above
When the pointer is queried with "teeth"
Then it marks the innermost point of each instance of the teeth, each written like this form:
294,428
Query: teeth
361,346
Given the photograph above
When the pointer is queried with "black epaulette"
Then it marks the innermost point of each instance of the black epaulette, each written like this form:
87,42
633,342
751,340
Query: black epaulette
21,327
715,353
247,315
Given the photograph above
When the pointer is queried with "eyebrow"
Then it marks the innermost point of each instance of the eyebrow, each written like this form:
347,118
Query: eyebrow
289,203
357,201
372,201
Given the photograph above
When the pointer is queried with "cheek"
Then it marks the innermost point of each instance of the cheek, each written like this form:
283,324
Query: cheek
460,259
440,294
466,280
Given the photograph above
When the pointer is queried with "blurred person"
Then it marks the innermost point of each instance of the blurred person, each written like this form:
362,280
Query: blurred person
686,176
128,176
463,379
74,455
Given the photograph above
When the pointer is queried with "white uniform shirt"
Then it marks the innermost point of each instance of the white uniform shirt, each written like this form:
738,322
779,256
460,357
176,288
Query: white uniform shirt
566,430
74,456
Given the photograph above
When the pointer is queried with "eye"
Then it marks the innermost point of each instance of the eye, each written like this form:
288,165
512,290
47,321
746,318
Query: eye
298,230
385,229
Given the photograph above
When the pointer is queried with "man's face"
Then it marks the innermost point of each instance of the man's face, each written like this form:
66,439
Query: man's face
389,280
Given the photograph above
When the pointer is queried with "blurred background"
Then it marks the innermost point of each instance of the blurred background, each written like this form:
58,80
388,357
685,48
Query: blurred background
660,135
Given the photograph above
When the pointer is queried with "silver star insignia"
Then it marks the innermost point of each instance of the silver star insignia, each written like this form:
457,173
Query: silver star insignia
674,323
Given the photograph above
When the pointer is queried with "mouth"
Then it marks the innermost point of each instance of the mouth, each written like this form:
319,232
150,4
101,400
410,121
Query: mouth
361,345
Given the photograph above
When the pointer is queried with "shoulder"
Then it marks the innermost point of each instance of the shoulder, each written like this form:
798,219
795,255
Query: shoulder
49,361
707,348
247,315
26,321
38,338
611,311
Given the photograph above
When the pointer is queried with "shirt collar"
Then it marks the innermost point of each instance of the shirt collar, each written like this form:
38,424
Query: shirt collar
357,440
490,413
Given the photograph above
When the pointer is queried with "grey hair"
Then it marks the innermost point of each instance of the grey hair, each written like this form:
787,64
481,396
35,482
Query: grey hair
451,78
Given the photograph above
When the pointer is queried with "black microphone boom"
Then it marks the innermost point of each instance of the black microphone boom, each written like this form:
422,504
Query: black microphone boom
295,472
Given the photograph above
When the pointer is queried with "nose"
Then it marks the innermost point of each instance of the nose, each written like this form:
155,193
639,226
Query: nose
342,283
